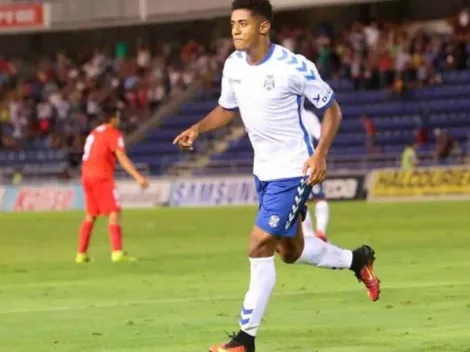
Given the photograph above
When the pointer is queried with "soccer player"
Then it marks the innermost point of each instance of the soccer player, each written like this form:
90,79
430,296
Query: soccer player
268,84
322,208
102,147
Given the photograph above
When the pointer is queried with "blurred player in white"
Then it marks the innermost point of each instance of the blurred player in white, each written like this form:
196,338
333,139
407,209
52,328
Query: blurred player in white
322,209
268,84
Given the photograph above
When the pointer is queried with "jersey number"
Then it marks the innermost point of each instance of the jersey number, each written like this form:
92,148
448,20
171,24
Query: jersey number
87,148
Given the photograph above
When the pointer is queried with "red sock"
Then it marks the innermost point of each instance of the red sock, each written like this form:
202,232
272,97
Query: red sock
85,233
115,235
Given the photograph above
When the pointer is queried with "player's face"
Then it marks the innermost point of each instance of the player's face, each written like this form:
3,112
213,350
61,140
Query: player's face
116,120
246,29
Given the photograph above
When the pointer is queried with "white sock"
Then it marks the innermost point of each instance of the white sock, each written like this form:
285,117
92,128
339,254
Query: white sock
307,225
324,255
322,215
262,281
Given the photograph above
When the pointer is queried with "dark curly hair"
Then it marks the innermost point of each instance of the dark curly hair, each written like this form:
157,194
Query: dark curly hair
261,8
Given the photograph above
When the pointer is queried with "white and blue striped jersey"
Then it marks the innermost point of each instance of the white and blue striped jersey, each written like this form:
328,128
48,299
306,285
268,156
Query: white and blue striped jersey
270,97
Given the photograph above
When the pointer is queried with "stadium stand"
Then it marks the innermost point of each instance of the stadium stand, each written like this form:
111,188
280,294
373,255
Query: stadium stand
408,79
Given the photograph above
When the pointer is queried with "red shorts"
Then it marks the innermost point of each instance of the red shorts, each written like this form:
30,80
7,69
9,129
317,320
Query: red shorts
101,197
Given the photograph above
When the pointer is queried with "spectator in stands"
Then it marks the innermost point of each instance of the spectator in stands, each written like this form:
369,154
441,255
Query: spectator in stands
445,144
409,159
422,131
370,131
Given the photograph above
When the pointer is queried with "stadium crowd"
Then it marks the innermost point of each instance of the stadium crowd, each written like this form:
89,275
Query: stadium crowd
59,98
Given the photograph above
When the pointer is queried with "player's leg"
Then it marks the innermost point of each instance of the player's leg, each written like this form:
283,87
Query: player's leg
110,205
299,249
307,224
86,227
115,235
262,280
293,247
262,246
322,216
322,211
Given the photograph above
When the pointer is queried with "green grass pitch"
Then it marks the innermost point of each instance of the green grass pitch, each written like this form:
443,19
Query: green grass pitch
189,284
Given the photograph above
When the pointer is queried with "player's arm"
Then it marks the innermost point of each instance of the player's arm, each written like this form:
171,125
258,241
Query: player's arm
305,80
219,117
320,94
117,146
128,166
329,128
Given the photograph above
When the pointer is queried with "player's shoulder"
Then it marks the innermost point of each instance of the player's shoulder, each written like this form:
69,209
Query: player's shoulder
106,130
235,60
294,64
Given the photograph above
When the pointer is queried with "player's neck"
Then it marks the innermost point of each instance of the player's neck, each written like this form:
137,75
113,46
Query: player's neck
259,52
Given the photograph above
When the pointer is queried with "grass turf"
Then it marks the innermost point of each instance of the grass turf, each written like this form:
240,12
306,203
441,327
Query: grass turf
193,272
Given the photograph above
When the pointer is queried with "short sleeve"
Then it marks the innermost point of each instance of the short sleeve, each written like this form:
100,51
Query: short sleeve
306,81
227,98
116,142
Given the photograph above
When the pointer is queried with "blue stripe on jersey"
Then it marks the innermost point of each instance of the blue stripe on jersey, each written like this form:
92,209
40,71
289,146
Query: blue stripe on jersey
306,135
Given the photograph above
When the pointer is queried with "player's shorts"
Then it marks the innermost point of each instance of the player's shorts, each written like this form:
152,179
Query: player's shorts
101,197
318,191
280,204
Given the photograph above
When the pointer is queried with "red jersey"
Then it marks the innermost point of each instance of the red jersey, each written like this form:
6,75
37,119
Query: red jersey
99,156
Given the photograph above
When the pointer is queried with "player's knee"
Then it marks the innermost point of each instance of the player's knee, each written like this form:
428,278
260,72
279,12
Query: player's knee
288,255
90,218
114,218
261,244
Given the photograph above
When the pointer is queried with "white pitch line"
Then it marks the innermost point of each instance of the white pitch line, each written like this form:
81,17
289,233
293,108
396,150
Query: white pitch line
219,298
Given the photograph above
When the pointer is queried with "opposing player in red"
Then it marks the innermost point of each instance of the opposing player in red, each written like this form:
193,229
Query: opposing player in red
103,146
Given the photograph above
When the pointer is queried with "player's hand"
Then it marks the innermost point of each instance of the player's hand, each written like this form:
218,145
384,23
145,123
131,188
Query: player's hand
186,139
317,166
143,183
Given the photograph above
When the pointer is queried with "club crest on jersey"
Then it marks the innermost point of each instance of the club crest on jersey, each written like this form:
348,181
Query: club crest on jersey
274,221
269,83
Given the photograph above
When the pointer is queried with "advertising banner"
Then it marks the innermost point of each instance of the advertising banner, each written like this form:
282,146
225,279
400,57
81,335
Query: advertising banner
434,182
224,191
344,187
132,196
213,192
42,198
23,16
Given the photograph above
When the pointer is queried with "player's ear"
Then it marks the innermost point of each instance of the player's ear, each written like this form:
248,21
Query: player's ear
265,27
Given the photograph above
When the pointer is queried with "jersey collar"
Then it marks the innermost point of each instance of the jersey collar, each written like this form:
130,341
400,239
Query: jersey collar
266,57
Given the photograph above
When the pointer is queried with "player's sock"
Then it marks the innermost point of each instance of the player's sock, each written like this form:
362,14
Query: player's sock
322,214
85,234
115,235
324,255
262,281
307,225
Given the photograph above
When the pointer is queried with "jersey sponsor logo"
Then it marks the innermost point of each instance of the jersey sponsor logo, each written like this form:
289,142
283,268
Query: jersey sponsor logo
269,83
234,81
326,97
121,142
